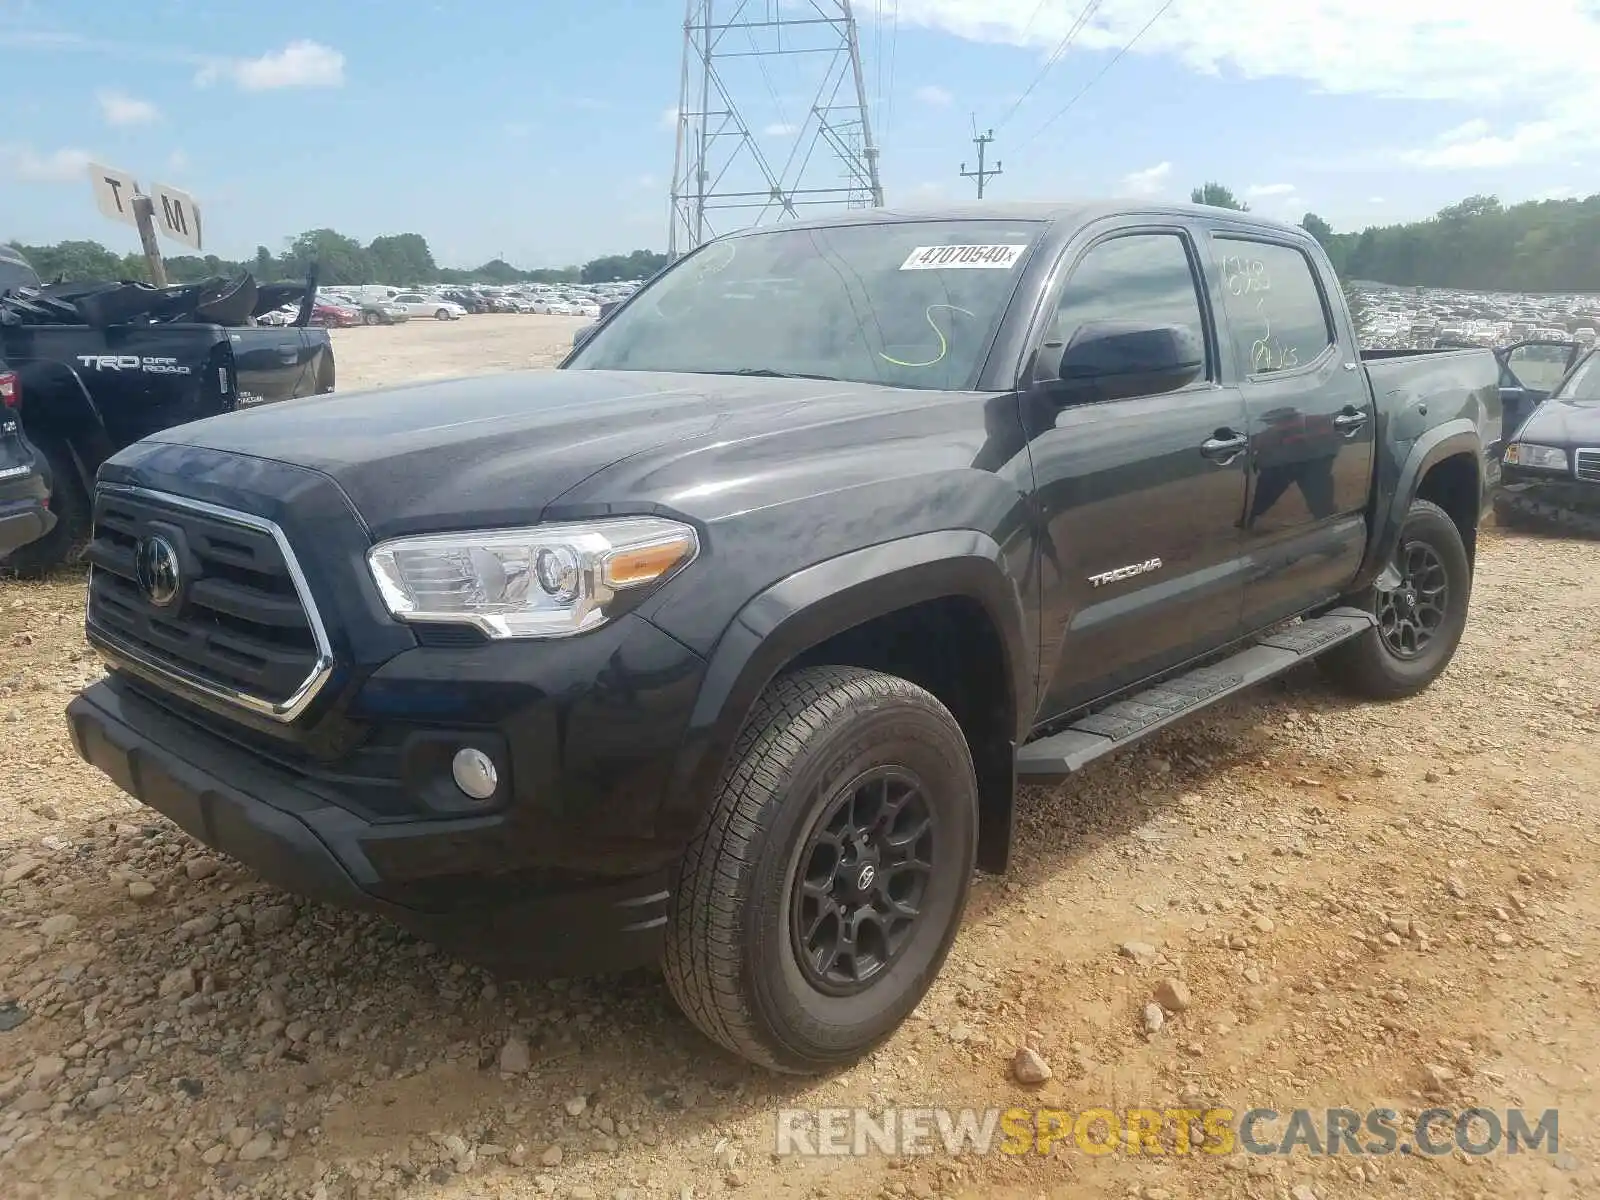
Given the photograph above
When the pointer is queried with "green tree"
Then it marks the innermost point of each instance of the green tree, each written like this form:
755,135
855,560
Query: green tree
340,259
73,260
641,264
265,267
401,258
1218,196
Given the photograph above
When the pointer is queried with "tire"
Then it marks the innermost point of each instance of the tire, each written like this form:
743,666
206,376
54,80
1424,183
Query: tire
371,318
442,315
69,537
1380,665
732,958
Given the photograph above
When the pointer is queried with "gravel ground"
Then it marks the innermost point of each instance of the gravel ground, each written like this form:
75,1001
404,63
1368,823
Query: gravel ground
1364,905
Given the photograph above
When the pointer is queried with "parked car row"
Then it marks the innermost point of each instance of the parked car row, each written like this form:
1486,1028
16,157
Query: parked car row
382,304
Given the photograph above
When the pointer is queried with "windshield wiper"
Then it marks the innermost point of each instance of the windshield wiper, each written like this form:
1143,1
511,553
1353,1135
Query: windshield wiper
768,373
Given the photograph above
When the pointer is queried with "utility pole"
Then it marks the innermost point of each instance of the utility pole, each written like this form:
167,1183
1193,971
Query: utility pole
981,141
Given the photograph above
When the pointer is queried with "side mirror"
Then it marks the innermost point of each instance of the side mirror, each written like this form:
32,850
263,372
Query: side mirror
1113,360
584,333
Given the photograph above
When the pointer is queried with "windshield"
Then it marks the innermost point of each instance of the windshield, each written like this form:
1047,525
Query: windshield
1583,385
911,304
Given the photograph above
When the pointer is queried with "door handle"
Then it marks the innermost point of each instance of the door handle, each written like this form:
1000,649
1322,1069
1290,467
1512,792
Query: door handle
1348,422
1225,447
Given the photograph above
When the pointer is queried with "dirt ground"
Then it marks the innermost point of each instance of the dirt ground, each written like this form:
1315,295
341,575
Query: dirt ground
432,349
1369,906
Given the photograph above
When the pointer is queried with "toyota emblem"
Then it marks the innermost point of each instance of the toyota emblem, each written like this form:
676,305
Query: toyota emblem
156,565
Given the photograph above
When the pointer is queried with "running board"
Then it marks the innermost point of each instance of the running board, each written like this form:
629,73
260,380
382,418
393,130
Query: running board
1120,724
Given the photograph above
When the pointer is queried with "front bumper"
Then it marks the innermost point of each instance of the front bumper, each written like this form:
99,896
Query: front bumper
446,880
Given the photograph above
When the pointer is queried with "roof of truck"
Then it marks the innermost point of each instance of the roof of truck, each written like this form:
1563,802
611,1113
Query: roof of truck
1060,212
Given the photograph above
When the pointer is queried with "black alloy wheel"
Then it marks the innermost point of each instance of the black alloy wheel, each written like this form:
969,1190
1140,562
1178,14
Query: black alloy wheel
862,878
1420,619
825,882
1411,614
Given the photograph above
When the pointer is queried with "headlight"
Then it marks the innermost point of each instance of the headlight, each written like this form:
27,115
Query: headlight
1547,458
541,582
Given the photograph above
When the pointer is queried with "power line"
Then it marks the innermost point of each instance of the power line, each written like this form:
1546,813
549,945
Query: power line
1115,59
1055,55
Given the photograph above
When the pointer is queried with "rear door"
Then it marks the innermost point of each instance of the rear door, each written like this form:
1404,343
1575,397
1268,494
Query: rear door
1140,498
1311,420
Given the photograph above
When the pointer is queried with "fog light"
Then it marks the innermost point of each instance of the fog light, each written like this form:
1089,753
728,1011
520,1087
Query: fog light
474,773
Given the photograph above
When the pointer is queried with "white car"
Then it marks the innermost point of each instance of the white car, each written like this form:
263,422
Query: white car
559,308
585,308
418,305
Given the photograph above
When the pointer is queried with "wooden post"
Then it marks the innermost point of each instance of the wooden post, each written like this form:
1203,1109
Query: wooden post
144,213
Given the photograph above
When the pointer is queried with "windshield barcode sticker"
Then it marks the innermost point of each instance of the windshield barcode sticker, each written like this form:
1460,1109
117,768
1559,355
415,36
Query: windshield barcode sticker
944,258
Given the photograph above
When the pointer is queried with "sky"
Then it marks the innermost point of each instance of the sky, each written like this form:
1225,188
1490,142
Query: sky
544,131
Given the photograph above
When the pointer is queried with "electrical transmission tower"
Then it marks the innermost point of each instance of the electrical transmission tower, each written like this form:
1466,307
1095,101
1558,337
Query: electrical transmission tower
732,173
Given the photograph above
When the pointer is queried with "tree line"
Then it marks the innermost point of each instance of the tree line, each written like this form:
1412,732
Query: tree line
1478,244
401,259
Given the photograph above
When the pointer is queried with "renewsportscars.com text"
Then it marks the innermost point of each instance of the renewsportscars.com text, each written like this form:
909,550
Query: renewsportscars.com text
846,1132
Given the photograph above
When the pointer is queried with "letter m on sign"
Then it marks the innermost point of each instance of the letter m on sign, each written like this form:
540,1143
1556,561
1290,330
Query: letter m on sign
177,215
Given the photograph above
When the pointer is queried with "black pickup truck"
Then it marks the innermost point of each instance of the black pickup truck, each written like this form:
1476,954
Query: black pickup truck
726,644
89,388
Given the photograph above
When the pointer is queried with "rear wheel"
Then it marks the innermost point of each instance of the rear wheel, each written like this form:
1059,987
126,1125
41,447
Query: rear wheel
69,537
1421,617
821,893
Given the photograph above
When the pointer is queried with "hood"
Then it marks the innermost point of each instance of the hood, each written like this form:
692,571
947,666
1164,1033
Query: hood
497,449
1563,422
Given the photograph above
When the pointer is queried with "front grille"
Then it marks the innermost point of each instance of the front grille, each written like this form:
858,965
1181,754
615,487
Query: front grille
1587,463
243,627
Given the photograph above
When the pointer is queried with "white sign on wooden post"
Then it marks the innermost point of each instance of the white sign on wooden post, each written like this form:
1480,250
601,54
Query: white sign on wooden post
113,193
177,215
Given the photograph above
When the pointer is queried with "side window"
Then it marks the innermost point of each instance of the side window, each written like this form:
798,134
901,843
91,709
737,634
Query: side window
1276,318
1144,277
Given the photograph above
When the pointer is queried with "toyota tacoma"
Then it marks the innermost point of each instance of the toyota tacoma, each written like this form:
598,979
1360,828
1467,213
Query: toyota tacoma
726,644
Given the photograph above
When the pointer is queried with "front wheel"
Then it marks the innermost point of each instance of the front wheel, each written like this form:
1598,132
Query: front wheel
825,884
1420,618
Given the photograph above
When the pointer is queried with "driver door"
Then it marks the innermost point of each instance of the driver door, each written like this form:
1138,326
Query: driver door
1141,498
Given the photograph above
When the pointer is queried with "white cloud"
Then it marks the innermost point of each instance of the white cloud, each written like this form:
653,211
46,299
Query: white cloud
119,108
780,129
1376,200
1563,192
177,161
1439,50
300,64
1264,190
669,117
934,95
59,166
1151,181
